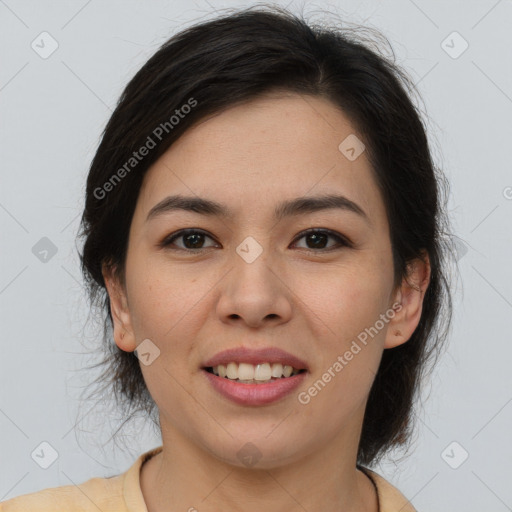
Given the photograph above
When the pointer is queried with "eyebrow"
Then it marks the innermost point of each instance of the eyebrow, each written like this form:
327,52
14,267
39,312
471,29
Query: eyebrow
294,207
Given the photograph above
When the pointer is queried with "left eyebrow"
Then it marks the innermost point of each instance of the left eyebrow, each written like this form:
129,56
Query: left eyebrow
293,207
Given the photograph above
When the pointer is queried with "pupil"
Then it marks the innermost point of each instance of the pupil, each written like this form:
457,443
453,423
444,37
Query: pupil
316,237
191,236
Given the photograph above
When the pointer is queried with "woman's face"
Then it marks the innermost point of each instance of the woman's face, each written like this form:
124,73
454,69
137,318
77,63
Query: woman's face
250,279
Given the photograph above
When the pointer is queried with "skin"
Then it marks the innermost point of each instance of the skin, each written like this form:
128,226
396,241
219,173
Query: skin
312,304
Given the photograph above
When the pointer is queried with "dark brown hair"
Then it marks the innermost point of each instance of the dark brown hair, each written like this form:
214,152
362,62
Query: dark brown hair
233,59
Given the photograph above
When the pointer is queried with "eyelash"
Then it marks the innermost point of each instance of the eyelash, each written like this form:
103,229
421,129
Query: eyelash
342,240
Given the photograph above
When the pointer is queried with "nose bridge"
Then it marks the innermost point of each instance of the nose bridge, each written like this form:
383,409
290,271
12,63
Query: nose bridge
252,264
253,291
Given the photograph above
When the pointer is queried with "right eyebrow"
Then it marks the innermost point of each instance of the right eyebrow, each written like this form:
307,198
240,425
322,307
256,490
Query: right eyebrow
293,207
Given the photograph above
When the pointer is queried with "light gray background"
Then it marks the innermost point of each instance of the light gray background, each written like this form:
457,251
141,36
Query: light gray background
52,113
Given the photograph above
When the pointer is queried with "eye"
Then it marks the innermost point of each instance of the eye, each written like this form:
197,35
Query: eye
192,239
319,237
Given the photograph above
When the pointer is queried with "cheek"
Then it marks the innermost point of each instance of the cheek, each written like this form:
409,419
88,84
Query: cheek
346,305
350,344
168,303
346,300
165,307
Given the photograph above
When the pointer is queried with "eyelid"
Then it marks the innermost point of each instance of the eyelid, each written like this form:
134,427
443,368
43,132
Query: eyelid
183,232
342,239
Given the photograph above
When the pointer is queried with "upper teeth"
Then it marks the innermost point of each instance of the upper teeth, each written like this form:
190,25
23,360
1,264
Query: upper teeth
246,371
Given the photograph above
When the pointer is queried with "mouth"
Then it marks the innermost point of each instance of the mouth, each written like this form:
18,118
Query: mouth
255,376
261,390
254,363
246,373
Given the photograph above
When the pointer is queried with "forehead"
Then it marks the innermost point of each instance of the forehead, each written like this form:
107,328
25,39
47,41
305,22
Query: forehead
254,154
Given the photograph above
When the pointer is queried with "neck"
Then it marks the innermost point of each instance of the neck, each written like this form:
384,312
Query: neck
185,477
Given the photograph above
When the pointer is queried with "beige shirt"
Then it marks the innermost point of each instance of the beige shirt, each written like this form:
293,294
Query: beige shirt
122,493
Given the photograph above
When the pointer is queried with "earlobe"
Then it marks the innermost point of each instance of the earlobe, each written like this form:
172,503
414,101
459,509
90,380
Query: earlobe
410,297
123,332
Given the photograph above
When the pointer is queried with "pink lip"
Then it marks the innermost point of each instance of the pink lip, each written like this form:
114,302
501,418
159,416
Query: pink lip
256,356
254,394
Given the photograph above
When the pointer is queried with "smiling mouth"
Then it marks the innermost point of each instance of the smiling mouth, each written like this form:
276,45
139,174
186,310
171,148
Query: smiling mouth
254,374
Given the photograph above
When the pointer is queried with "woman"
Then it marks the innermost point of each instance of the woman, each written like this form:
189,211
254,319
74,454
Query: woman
263,222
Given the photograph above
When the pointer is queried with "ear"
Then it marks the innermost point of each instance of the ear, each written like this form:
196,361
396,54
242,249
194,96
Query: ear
123,331
410,296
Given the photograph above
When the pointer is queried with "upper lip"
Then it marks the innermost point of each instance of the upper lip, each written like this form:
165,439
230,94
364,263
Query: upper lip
256,356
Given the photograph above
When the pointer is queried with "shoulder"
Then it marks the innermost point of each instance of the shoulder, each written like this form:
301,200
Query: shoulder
390,498
93,495
115,494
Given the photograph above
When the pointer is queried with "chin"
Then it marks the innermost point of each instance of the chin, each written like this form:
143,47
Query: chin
259,452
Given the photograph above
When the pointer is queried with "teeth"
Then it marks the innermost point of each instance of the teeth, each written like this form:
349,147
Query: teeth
232,371
246,372
249,373
261,371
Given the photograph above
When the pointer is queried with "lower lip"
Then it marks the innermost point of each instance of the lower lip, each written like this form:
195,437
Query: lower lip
255,394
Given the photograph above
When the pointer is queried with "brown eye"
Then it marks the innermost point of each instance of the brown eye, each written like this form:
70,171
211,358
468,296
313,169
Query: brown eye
193,239
318,239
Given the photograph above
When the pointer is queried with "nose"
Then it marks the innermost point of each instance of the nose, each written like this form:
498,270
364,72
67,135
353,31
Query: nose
254,293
